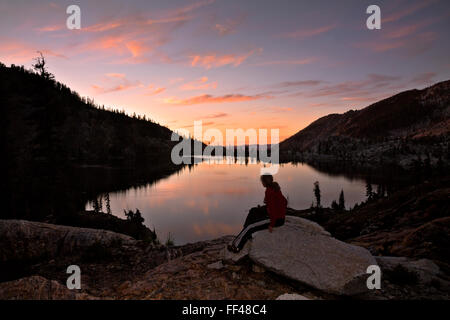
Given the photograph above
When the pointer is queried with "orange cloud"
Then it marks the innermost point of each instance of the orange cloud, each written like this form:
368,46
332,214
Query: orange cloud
18,52
214,60
115,82
52,28
122,44
136,39
281,109
208,123
120,87
101,27
136,48
154,91
216,115
301,34
206,98
200,84
115,75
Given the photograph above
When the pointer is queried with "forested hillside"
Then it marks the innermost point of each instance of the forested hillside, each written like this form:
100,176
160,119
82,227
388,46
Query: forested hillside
44,120
403,129
48,130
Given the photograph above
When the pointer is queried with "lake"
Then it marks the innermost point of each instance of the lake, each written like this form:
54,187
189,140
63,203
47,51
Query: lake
206,201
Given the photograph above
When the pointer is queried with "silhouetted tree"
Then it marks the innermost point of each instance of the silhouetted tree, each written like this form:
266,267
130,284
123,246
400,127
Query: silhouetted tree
135,217
40,67
341,201
369,192
334,205
96,206
317,193
107,203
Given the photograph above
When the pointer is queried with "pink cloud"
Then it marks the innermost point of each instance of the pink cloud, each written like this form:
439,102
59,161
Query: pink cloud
358,90
216,115
207,123
200,84
281,109
153,91
119,87
206,98
19,52
414,44
424,78
135,38
214,60
408,10
114,82
124,46
115,75
229,26
52,28
302,34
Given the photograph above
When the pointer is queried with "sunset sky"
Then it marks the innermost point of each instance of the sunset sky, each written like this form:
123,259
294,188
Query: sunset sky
233,64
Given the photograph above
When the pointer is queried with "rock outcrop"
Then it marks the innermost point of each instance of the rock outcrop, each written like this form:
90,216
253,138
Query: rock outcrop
292,296
26,240
308,261
423,270
412,222
38,288
200,275
303,251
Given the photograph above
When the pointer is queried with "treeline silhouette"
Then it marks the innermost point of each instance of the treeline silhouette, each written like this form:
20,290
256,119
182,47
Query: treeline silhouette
48,122
49,129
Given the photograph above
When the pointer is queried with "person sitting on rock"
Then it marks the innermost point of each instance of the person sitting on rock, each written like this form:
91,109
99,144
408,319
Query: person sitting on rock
270,216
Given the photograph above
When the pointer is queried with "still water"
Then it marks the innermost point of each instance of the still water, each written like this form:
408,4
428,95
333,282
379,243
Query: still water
207,200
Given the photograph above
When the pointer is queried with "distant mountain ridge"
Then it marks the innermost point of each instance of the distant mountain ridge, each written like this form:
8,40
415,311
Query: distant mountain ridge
409,115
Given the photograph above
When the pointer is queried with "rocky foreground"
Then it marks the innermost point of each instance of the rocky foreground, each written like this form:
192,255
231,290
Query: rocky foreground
311,264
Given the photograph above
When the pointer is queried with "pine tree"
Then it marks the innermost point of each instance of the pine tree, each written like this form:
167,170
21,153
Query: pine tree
96,206
100,203
369,192
107,203
317,193
341,201
334,205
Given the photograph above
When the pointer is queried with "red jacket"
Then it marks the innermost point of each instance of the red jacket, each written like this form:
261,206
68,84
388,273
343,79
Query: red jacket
276,204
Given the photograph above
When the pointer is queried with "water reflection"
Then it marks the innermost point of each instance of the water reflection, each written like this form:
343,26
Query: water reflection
211,199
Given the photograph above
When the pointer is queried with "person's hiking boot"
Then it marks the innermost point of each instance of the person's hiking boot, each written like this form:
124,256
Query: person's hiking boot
232,248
